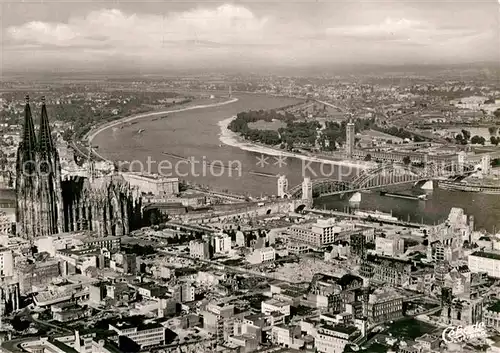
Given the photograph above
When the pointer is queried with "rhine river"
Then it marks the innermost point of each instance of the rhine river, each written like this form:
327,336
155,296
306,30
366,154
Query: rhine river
195,134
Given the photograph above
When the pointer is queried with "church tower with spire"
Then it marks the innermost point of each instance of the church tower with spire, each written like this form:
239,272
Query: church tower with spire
38,182
49,173
26,177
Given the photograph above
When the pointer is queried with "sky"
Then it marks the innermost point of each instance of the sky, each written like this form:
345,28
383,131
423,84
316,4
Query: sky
151,35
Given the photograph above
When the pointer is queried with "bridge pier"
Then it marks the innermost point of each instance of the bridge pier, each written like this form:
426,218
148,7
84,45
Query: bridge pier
428,185
356,197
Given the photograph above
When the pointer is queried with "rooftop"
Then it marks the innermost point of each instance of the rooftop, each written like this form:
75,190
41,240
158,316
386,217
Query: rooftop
93,239
134,322
275,302
494,307
488,255
340,328
62,346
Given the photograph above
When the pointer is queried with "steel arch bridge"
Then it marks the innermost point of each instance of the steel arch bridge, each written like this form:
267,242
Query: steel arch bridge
382,176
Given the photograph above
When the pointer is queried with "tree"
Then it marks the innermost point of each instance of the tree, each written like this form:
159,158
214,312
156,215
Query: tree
368,157
460,139
496,113
18,324
477,140
494,140
466,134
418,138
406,160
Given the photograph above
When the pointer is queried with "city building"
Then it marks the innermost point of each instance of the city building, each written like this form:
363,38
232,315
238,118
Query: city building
275,305
73,260
124,263
218,319
323,232
80,240
145,335
10,299
385,305
340,249
357,243
334,338
390,246
395,272
200,249
5,223
486,164
51,243
6,263
463,310
262,255
488,262
33,275
240,239
287,336
184,293
111,243
491,315
152,184
221,243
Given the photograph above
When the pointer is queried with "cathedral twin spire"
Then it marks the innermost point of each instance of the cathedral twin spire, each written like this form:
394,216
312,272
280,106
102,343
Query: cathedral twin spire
38,180
30,143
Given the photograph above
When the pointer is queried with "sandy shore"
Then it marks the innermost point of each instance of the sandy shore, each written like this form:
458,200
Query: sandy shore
94,132
231,138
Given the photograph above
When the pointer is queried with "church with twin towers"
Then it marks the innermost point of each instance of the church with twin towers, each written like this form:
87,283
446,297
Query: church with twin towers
40,209
49,204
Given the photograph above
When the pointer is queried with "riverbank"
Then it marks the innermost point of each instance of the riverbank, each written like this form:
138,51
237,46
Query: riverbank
232,139
94,132
89,136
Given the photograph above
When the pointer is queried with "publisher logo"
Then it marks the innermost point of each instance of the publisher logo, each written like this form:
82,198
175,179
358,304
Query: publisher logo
459,334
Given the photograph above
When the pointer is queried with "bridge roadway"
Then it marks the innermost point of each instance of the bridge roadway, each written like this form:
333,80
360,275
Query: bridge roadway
374,187
223,195
350,215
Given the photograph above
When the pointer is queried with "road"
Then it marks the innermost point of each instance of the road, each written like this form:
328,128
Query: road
48,324
330,105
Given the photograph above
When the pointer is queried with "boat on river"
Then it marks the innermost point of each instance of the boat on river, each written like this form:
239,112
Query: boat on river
397,195
377,215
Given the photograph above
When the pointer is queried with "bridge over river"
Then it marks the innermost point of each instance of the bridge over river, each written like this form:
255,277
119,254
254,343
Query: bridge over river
380,177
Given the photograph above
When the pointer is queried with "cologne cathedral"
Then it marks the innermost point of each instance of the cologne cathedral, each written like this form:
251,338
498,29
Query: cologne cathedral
47,204
38,180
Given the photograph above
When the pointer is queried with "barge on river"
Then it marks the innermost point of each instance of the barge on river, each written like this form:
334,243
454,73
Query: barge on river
469,187
422,197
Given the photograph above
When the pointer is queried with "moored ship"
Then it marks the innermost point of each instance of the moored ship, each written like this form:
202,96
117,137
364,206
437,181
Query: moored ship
469,187
381,216
421,197
264,174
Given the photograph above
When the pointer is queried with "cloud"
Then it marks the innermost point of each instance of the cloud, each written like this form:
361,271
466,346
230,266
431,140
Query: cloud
400,30
226,24
229,34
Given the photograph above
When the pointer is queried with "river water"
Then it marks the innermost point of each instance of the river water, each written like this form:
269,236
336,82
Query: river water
195,134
